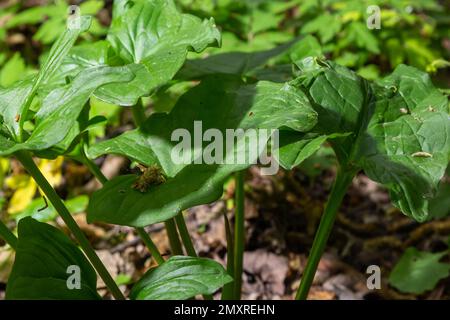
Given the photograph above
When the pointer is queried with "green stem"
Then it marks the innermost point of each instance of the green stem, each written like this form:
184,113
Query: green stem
94,169
52,196
174,240
145,237
150,245
227,291
138,113
239,234
341,184
184,233
187,242
8,236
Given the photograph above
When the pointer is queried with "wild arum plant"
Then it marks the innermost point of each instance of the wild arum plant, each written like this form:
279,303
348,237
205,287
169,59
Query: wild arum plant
396,130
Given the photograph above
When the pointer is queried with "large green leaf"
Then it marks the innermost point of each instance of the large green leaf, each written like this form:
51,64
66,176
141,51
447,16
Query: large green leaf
265,105
407,145
43,257
399,129
142,29
181,278
156,37
418,271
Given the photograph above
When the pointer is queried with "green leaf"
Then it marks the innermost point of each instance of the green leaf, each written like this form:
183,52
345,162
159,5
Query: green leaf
407,145
60,49
399,129
50,253
91,7
296,147
306,47
128,94
263,20
343,100
12,103
157,37
36,15
142,29
265,105
325,25
181,278
418,271
12,71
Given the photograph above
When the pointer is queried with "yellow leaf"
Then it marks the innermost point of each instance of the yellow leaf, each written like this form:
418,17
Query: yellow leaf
25,187
51,169
25,190
4,167
351,16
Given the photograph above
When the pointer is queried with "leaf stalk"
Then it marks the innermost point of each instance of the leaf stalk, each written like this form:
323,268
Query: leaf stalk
340,186
239,234
7,235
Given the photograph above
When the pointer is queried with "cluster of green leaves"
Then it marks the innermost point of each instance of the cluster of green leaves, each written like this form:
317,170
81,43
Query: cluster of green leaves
396,130
411,31
18,57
